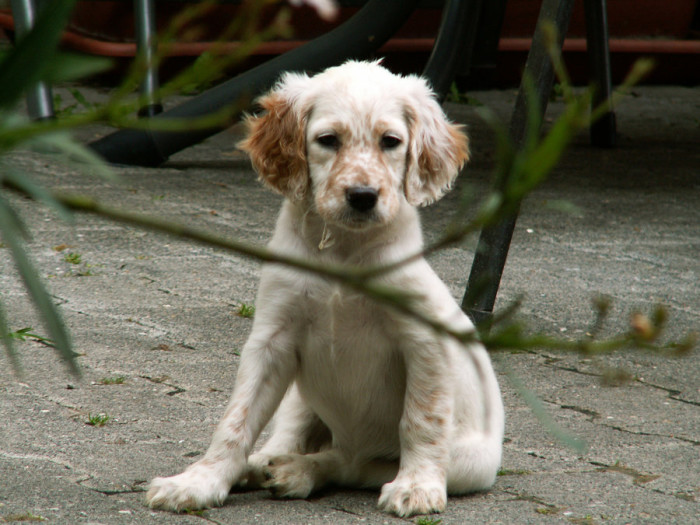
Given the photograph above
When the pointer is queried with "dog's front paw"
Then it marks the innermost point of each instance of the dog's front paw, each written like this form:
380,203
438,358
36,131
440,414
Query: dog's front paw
407,495
197,487
290,476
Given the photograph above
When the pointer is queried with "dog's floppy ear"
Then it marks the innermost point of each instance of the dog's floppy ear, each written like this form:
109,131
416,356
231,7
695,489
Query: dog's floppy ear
437,149
275,139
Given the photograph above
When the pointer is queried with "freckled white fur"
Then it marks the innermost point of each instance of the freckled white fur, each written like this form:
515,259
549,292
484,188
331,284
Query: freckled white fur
362,396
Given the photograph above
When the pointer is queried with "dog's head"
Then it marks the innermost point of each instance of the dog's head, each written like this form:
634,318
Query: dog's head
355,141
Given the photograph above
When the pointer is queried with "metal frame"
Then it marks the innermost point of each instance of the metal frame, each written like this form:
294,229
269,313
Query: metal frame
604,130
39,97
494,241
147,45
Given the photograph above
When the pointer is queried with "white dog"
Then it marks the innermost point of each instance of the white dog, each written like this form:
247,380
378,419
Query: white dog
364,396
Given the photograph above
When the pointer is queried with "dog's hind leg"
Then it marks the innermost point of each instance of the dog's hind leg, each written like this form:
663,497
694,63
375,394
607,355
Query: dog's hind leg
296,429
474,463
475,453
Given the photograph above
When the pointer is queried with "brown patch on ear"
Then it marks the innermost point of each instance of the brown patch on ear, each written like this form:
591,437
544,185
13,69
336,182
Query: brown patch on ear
275,143
450,155
438,151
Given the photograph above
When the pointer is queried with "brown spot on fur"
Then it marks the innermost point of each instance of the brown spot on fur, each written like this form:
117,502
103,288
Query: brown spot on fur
436,420
427,404
276,146
236,411
436,158
346,169
353,167
439,150
237,427
235,419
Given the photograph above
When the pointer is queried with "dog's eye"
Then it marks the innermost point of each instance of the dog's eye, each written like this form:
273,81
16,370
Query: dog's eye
328,140
390,142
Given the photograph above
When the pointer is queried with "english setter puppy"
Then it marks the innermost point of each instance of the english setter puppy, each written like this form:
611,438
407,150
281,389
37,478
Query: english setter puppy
362,395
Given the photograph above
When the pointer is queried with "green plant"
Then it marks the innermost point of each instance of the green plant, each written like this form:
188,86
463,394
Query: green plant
84,269
25,333
515,472
457,97
246,310
585,520
24,517
84,272
36,57
201,513
116,380
557,92
427,520
79,103
73,258
97,420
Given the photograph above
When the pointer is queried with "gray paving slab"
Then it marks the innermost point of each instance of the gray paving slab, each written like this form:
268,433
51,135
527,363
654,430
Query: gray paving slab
161,314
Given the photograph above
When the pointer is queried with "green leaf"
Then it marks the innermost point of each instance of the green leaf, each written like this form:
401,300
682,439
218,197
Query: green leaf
25,184
35,287
11,220
540,412
67,67
80,98
27,63
26,333
537,164
81,156
8,343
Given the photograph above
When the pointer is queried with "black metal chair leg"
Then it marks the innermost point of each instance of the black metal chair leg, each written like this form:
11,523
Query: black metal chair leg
478,68
144,18
454,44
603,131
39,97
494,241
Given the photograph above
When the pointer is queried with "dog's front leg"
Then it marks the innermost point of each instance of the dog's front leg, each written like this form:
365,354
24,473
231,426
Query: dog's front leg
420,487
266,369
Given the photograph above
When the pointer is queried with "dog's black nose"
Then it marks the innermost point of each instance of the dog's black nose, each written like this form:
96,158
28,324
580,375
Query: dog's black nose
361,198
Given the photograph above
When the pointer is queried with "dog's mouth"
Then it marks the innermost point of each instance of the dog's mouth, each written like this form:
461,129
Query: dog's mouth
355,208
347,220
355,220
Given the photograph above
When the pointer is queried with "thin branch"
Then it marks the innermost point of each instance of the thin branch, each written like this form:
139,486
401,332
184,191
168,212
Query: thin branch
352,276
355,277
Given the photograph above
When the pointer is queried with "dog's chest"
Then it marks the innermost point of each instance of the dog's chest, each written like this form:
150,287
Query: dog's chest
341,325
351,370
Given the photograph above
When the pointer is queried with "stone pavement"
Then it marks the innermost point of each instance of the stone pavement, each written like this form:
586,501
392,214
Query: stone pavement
159,316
